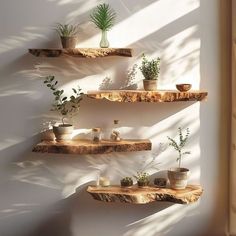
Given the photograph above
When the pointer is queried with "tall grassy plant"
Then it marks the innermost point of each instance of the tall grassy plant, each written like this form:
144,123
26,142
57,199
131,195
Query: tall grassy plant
103,16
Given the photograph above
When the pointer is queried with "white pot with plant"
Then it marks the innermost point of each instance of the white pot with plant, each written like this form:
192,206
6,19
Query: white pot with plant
68,35
103,16
150,70
64,106
178,177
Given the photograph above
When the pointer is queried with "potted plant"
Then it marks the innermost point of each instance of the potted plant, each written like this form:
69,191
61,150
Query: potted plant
150,70
103,16
68,35
126,182
178,177
142,179
65,106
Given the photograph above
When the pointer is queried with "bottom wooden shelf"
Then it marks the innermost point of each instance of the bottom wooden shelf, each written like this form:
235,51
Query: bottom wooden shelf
145,195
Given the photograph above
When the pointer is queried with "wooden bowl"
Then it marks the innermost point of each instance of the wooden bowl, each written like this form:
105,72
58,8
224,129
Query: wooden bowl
183,87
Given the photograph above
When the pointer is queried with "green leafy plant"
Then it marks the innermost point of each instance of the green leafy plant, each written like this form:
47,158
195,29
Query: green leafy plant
103,17
66,30
150,69
142,178
126,181
179,145
64,105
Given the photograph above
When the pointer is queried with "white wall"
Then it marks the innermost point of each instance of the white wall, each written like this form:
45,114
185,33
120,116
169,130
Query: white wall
46,194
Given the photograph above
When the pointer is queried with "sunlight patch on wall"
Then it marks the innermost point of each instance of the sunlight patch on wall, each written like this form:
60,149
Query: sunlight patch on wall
159,223
157,18
182,52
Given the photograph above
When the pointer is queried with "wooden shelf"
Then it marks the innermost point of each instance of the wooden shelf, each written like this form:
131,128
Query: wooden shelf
149,194
88,147
82,52
147,96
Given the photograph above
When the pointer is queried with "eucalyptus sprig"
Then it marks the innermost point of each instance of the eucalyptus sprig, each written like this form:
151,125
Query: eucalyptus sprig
64,105
150,69
103,16
179,145
66,30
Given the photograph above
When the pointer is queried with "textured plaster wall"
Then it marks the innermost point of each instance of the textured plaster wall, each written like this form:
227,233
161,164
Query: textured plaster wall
46,194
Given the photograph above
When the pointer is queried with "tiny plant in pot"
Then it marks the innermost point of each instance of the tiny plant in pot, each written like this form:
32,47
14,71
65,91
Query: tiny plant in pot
150,70
142,179
68,35
178,177
103,16
64,106
126,182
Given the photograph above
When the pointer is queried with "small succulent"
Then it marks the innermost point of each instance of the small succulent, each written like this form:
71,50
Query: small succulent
126,181
142,178
150,69
64,105
103,16
179,145
66,30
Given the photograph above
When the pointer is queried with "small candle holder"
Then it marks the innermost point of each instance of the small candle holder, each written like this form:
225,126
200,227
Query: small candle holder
104,181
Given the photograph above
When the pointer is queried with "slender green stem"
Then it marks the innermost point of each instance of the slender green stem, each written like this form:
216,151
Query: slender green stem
180,157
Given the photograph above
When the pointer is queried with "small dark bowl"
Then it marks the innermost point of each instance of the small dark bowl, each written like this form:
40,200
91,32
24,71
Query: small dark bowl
183,87
160,182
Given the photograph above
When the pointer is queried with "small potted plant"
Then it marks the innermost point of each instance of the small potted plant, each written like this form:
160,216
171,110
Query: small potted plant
103,16
65,106
150,70
160,182
178,177
68,35
142,179
126,182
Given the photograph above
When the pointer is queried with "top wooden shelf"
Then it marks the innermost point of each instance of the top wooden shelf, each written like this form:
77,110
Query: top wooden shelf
147,96
82,52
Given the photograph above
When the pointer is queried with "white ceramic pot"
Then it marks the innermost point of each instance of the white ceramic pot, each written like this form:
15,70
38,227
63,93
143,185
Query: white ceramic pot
150,84
178,177
63,132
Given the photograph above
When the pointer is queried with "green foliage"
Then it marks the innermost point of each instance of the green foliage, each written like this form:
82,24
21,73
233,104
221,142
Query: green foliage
150,69
179,145
64,105
103,17
66,30
142,176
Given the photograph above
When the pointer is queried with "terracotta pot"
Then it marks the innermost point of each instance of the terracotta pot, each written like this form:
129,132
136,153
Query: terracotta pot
63,132
178,177
150,84
69,42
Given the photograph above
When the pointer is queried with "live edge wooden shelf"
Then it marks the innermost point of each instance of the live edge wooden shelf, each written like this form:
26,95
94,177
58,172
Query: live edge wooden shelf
84,146
147,96
149,194
82,52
